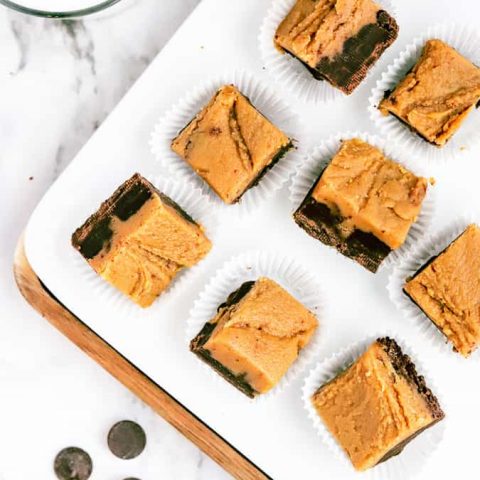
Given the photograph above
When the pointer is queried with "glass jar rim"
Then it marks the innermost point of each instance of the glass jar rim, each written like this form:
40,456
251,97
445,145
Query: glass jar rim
101,5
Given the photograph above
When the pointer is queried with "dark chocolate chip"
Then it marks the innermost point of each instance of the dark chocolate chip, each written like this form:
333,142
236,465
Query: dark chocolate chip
126,440
72,463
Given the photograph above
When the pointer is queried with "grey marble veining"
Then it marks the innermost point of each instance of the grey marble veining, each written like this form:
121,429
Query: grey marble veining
58,82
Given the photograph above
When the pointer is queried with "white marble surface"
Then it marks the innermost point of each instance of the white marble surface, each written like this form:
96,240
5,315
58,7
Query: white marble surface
58,81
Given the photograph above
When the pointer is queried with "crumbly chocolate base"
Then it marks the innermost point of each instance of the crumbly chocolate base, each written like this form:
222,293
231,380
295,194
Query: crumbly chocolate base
404,366
196,345
95,234
349,68
276,158
319,222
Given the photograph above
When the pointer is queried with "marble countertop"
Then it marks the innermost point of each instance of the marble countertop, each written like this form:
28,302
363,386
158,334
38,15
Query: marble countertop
58,82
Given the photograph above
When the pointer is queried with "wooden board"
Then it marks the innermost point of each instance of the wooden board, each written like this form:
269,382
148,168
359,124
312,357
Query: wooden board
125,372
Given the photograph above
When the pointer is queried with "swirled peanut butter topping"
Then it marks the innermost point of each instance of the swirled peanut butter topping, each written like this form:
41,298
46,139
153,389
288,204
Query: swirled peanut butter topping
229,143
371,192
448,291
437,95
261,335
371,409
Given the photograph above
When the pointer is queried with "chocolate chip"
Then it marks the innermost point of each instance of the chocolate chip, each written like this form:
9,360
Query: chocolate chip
72,463
126,439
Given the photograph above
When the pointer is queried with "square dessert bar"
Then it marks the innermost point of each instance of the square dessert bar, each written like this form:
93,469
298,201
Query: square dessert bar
256,336
139,239
337,40
437,94
447,290
230,144
363,204
378,405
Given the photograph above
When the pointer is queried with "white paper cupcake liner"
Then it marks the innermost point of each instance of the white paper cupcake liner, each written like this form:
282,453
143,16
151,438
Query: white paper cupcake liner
428,248
292,276
309,170
467,42
289,71
197,206
265,100
412,459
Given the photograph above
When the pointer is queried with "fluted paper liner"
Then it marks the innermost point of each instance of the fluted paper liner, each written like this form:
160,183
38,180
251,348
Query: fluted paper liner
289,71
292,276
410,461
266,101
419,256
467,42
196,205
314,163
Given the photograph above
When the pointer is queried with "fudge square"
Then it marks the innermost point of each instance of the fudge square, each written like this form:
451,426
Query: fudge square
230,144
378,405
363,204
139,239
256,336
337,40
447,290
437,95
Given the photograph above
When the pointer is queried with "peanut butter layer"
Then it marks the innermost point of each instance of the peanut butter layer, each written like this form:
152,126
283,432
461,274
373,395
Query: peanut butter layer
377,405
371,193
337,39
437,95
143,245
230,144
448,290
259,337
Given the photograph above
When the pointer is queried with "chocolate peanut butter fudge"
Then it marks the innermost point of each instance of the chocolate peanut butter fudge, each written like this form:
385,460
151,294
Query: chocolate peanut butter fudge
378,405
447,290
363,204
437,94
337,40
230,144
256,336
139,239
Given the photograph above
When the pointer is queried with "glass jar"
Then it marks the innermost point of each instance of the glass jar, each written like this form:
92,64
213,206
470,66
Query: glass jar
58,8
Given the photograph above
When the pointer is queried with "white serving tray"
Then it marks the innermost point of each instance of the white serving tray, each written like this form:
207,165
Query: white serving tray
275,434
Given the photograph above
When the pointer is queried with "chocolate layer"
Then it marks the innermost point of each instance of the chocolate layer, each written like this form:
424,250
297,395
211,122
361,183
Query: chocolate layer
404,366
95,234
319,222
348,69
196,345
